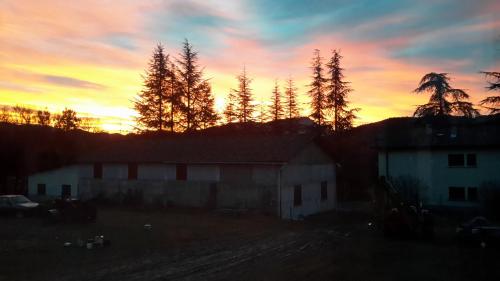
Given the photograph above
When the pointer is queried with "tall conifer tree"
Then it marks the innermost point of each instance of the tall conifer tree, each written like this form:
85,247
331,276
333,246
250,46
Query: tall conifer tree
276,108
150,103
338,90
194,91
317,89
291,104
230,113
245,107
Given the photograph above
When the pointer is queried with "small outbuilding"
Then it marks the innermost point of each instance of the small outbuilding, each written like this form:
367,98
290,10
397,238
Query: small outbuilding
288,175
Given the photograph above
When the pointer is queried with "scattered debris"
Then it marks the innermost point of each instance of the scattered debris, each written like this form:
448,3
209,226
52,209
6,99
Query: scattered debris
90,244
99,241
94,243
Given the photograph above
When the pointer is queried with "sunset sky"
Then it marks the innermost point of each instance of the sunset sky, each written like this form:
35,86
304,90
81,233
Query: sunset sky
89,55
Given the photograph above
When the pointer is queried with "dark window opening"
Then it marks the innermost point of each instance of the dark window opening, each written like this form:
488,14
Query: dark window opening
297,195
472,194
132,171
181,172
41,189
455,160
97,171
324,190
456,193
65,191
471,160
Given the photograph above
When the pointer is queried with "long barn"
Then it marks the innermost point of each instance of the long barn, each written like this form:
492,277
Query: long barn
290,175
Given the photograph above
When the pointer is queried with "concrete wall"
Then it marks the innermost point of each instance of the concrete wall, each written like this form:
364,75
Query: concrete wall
54,180
244,186
167,193
308,168
431,168
115,171
209,173
309,177
156,172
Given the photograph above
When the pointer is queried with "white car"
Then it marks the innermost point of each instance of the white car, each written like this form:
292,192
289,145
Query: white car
17,205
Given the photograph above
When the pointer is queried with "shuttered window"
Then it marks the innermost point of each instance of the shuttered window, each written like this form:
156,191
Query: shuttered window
181,172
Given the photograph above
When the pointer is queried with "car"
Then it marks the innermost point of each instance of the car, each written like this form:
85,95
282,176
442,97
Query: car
479,231
72,210
17,205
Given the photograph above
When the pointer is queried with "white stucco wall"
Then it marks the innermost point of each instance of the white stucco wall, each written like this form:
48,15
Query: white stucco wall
309,177
203,173
115,171
156,172
431,168
265,174
54,180
308,168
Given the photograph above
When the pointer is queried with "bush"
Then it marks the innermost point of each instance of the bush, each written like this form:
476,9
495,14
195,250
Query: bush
410,189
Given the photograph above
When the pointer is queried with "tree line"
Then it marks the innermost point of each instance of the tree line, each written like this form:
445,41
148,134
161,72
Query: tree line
446,100
176,97
67,120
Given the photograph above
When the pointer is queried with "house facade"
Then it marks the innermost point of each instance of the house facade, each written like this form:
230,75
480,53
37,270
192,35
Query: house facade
289,176
451,162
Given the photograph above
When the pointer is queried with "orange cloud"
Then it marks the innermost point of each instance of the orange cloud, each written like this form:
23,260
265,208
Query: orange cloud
90,55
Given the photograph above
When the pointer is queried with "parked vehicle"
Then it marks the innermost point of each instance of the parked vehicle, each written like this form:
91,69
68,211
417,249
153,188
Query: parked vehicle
72,210
17,205
479,231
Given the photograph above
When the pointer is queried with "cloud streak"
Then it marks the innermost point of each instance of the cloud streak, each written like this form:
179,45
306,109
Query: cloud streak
90,54
72,82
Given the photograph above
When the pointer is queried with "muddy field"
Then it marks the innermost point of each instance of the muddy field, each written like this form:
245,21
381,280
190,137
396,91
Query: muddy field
196,245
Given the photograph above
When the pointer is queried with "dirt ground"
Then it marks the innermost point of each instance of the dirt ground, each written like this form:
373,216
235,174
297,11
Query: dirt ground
197,245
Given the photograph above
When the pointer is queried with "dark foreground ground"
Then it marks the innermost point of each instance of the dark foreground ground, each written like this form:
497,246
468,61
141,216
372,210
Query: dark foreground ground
195,245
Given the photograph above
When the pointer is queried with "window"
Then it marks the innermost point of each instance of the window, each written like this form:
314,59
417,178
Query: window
181,172
97,171
65,191
41,189
297,195
324,190
455,160
471,160
132,171
472,194
456,193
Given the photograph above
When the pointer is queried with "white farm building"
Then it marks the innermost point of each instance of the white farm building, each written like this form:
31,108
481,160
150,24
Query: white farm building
290,176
